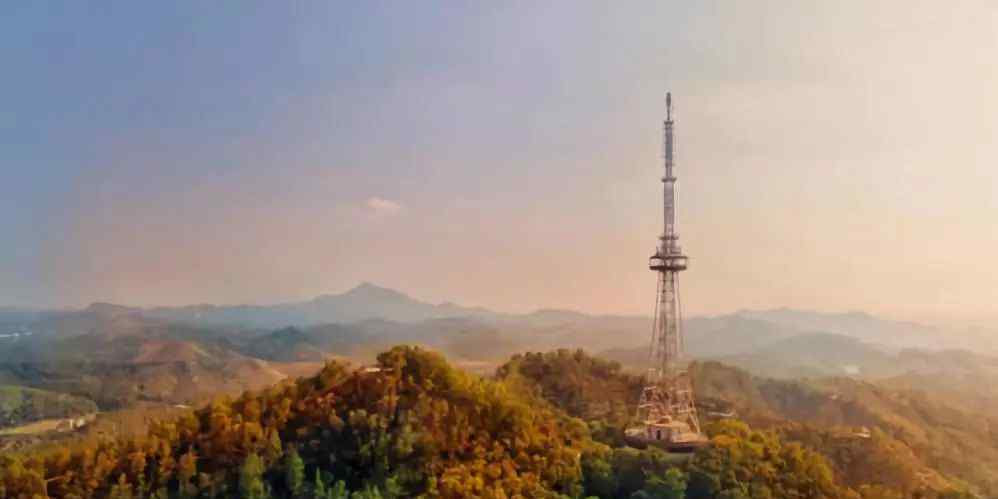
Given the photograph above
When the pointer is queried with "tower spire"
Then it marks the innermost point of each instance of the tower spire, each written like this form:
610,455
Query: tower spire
668,260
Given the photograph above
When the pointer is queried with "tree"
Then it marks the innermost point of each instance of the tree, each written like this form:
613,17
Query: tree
186,472
368,493
319,486
122,489
294,472
702,484
251,478
273,450
599,478
669,485
339,491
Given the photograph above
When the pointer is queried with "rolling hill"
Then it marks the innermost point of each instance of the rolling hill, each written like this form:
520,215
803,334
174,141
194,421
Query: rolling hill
124,357
20,405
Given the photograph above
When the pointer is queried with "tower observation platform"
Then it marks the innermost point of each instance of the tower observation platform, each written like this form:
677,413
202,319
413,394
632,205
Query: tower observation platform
666,413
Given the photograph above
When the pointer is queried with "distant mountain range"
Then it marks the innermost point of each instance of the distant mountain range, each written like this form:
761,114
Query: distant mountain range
364,302
372,302
780,342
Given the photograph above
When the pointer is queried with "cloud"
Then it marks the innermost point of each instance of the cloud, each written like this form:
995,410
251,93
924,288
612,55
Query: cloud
382,206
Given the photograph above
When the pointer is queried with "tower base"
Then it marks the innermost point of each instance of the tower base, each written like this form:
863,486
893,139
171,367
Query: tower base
667,416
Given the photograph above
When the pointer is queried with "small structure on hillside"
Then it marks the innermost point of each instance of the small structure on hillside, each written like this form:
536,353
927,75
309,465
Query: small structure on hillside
729,414
71,424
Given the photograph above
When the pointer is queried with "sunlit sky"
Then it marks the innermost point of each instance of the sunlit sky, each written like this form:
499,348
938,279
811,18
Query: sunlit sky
833,155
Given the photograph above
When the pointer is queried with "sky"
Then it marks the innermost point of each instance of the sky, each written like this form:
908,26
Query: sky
832,155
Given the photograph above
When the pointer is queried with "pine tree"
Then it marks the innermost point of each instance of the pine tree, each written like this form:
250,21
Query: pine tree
251,478
274,449
294,473
339,491
319,487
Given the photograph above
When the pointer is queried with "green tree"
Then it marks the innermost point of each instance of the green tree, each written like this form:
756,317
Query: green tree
338,491
599,479
251,484
669,485
367,493
273,450
702,483
319,486
294,472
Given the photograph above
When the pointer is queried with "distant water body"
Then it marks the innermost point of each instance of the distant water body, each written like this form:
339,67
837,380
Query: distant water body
14,335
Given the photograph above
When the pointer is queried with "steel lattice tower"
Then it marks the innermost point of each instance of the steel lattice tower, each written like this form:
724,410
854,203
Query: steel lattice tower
668,393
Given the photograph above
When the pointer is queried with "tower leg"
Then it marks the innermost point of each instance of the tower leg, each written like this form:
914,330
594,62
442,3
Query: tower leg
667,407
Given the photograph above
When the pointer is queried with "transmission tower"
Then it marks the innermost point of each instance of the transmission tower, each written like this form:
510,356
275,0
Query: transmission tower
666,411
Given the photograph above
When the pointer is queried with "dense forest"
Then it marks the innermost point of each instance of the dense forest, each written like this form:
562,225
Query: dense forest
414,426
898,456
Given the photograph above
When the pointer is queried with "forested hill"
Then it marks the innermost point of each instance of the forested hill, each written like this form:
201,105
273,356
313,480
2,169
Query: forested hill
878,442
412,426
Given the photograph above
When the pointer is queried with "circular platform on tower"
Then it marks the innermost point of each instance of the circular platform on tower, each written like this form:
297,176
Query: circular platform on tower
668,262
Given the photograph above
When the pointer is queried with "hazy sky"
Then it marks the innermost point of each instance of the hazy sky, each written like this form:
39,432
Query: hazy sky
833,155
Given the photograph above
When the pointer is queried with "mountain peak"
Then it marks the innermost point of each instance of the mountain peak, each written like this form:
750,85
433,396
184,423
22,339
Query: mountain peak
110,309
369,290
367,285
